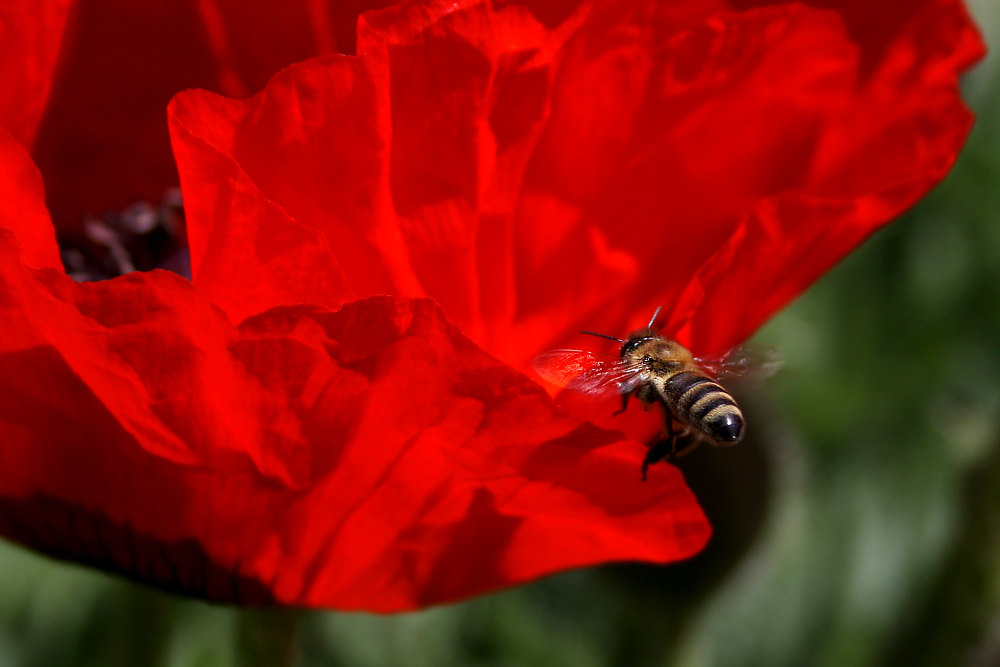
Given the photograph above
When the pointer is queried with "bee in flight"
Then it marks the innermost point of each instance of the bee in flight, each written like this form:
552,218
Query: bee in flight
656,369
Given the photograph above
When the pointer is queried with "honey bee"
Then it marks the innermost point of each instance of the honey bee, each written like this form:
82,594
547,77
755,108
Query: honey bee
656,369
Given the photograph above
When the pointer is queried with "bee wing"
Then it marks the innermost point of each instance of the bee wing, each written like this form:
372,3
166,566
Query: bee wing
588,373
752,361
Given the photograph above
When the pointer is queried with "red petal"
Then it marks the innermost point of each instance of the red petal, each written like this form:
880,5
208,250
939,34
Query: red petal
22,205
247,253
402,199
468,94
537,178
685,132
315,143
371,458
697,127
873,158
878,27
30,34
103,142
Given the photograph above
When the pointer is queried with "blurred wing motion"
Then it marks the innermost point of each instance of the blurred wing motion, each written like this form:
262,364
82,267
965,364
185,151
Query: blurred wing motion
587,373
752,361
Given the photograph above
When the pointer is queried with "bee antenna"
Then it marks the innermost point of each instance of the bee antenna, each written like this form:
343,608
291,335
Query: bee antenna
591,333
650,325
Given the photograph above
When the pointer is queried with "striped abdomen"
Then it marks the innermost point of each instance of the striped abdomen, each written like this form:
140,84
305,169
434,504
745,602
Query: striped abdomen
705,405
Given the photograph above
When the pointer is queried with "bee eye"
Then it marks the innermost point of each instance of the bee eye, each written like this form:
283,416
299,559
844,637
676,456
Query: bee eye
647,359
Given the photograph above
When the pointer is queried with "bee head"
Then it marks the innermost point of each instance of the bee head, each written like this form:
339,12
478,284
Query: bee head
648,348
635,340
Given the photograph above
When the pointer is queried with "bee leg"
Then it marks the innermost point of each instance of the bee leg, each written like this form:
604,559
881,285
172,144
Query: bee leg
689,448
671,434
679,436
657,452
625,398
661,449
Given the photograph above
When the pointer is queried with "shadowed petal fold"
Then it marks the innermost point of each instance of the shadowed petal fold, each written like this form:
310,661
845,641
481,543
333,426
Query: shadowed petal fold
31,33
103,143
370,458
540,176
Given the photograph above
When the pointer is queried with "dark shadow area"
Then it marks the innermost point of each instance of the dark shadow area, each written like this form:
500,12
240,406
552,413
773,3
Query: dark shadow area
70,532
733,486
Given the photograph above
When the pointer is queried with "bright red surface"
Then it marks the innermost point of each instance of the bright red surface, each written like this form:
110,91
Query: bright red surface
282,431
535,181
373,458
31,33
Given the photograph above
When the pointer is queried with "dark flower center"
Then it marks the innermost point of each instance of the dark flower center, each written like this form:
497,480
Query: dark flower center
141,237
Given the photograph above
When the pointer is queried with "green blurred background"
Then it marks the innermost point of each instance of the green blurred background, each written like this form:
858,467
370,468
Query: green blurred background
859,526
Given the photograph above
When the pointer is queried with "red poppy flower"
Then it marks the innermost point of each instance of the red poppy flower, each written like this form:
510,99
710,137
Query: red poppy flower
282,431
